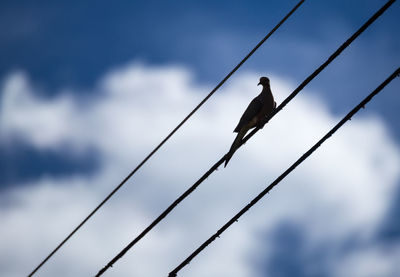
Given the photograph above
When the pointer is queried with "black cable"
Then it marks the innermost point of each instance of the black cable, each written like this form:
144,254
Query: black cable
217,164
284,174
167,137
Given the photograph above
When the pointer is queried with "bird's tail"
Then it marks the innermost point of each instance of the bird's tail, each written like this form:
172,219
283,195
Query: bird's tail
235,145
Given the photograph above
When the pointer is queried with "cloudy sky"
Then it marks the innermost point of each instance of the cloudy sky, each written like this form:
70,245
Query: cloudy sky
89,88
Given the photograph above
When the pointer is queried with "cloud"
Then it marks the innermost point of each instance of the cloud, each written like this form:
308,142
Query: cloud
343,189
41,122
371,261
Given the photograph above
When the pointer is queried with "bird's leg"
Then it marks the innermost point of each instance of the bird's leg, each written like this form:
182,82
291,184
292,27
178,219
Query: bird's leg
261,123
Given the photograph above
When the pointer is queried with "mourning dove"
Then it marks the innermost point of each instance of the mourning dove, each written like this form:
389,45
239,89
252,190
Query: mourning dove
254,116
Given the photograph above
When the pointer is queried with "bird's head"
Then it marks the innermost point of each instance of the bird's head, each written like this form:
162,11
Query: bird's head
264,81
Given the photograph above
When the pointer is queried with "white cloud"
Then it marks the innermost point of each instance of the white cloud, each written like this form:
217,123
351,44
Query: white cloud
371,261
41,122
344,188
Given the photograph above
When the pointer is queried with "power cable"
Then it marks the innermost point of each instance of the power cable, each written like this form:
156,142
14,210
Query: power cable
167,138
217,164
284,174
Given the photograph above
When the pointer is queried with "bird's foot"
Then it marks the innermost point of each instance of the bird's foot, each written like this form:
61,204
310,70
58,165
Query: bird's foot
262,123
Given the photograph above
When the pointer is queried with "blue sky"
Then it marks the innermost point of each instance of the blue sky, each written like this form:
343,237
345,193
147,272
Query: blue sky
63,58
71,44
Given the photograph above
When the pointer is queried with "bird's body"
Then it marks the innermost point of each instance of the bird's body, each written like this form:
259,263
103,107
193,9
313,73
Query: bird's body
257,110
255,115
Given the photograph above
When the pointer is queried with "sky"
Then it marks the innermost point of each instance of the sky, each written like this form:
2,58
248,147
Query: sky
89,88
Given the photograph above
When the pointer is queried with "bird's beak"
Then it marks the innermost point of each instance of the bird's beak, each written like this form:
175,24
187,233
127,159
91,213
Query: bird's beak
259,84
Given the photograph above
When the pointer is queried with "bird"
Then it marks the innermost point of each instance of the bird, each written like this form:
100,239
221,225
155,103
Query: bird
256,115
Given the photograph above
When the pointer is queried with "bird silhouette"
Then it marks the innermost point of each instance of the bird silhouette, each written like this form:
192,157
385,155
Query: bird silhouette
256,115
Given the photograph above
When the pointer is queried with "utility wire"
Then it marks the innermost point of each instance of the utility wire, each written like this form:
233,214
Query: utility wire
217,164
284,174
168,136
329,60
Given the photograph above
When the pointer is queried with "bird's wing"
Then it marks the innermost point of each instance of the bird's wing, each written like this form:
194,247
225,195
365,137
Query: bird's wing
252,110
